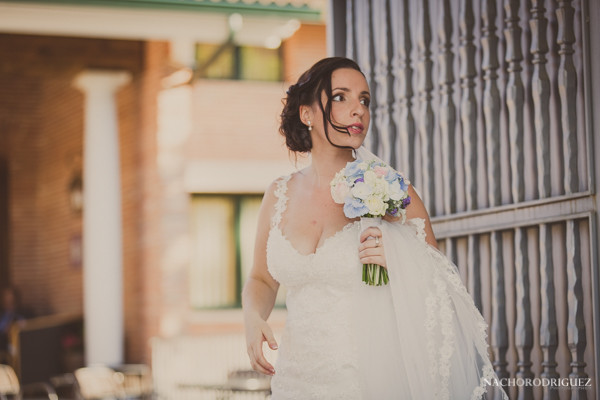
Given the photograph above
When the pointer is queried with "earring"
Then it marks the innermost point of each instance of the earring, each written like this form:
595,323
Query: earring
309,126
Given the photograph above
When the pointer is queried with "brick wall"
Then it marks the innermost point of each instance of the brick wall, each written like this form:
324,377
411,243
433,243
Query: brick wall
237,120
58,157
307,46
19,118
146,304
41,136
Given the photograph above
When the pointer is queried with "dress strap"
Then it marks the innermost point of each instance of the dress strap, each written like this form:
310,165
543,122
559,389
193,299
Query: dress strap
282,198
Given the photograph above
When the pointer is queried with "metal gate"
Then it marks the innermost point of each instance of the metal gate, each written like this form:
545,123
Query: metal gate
487,106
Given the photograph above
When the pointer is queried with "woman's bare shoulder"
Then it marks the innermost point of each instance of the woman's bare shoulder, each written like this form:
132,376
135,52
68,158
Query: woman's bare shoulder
416,209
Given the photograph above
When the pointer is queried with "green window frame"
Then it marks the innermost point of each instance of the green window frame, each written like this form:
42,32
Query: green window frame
235,62
223,236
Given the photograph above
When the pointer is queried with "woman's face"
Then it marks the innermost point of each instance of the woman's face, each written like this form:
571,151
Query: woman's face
349,109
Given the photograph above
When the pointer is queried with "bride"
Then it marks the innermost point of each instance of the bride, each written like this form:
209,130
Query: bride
418,337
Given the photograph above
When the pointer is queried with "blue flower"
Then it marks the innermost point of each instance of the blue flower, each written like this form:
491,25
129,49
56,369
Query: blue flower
354,208
353,169
403,184
391,176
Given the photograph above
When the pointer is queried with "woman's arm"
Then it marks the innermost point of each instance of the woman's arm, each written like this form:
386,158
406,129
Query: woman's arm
260,291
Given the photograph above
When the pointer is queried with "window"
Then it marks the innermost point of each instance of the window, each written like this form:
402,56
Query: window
223,233
229,61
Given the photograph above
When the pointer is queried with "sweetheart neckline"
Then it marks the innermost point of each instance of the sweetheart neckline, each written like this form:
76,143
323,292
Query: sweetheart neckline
345,228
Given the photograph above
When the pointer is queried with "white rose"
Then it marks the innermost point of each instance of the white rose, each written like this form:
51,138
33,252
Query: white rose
370,177
361,190
339,177
339,192
396,192
375,205
378,184
382,188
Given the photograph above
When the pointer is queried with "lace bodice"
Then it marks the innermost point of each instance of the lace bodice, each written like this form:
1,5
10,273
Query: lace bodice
316,357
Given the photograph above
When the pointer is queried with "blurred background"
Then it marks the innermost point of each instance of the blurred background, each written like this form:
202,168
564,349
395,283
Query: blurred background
137,138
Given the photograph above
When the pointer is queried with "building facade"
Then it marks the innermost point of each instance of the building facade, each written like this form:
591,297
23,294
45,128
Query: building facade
120,123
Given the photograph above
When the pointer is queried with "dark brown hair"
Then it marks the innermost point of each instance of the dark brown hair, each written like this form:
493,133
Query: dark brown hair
305,92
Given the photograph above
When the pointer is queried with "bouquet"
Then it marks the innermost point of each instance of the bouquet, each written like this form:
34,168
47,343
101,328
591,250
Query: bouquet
370,190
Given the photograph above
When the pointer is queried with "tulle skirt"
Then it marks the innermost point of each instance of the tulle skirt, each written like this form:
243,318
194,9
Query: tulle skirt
420,336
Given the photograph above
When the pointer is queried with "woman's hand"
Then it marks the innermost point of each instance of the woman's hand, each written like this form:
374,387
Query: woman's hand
257,332
370,250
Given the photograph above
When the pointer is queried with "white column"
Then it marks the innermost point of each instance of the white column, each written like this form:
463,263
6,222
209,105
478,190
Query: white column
102,230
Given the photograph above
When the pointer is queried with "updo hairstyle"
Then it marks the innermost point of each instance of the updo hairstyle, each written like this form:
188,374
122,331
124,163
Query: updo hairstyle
305,92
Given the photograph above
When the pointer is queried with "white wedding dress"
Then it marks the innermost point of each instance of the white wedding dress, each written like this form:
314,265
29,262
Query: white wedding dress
419,337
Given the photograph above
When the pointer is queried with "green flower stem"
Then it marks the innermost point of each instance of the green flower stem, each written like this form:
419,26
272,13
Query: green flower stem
375,275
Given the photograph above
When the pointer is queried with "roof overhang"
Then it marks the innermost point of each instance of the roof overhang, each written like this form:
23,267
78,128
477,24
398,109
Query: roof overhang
181,22
305,10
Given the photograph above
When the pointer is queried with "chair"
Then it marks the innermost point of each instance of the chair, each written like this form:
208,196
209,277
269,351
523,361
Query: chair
248,380
9,384
11,389
137,381
99,382
65,386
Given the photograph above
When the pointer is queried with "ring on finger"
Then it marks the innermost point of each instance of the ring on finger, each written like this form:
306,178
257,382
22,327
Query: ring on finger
376,241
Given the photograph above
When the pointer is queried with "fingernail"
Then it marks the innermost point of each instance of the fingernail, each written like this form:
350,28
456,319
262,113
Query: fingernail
274,347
